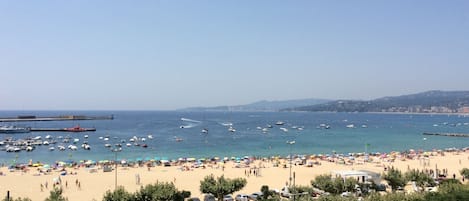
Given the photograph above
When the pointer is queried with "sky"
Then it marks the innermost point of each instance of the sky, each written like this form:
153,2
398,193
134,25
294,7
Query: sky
164,55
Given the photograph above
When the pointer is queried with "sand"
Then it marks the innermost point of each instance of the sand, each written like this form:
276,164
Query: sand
94,185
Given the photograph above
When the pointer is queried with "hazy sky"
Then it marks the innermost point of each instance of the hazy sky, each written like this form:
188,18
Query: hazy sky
174,54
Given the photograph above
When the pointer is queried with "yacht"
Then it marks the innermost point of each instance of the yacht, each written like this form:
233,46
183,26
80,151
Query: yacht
14,129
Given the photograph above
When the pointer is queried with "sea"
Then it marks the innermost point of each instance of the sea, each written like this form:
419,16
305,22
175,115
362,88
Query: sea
178,134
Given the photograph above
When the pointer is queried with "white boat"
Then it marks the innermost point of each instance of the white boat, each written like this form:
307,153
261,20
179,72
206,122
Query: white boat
86,146
76,140
86,136
279,123
364,126
150,136
107,145
45,142
128,144
29,148
227,124
48,137
231,129
204,130
143,139
265,130
350,126
284,129
51,148
14,129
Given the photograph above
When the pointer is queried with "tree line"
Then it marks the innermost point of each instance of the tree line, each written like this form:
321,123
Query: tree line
322,188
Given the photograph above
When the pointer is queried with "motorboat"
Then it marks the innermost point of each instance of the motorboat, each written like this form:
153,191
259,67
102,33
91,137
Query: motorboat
231,129
14,129
77,128
205,130
350,126
86,146
279,123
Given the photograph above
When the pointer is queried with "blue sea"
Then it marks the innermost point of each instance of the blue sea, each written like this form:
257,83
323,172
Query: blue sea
383,133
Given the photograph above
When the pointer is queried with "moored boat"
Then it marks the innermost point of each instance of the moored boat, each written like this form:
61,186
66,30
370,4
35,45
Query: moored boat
14,129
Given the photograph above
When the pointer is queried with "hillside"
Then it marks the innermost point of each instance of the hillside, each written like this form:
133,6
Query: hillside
263,105
426,102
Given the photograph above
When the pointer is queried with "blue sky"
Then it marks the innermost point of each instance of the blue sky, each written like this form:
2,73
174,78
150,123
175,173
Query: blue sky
161,55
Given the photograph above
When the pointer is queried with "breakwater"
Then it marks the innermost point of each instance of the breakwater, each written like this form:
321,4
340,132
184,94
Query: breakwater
79,129
25,118
449,134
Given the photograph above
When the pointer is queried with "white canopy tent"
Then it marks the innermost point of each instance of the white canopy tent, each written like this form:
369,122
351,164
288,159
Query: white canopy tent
363,175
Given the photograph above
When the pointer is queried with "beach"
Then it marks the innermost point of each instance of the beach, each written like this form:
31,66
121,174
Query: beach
81,183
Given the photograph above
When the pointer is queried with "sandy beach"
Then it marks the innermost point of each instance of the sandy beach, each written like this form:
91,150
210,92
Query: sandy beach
89,184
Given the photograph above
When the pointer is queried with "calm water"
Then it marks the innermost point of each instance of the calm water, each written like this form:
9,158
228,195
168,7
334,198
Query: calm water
385,132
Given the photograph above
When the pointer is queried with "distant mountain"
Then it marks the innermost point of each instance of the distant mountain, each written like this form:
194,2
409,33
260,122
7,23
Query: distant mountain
426,102
263,105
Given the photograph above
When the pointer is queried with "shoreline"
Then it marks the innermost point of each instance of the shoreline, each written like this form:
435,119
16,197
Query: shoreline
231,158
95,180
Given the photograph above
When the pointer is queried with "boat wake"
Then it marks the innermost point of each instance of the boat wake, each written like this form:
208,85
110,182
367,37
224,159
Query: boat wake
189,123
190,120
